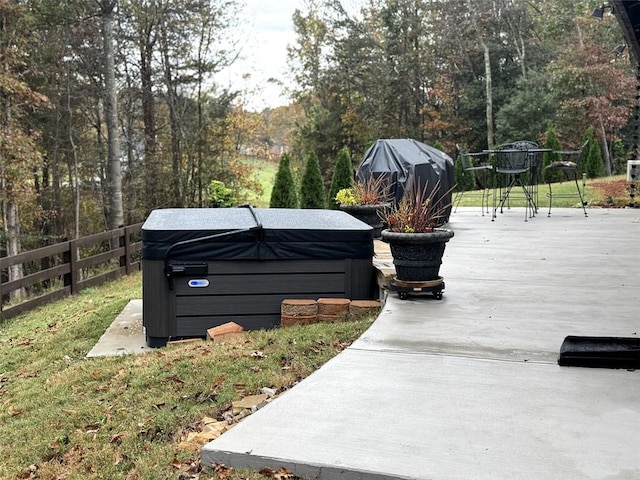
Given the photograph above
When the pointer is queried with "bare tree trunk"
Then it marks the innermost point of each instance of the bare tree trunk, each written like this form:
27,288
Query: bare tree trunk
114,172
202,45
579,32
173,121
636,123
200,145
12,222
487,73
148,114
514,21
522,51
605,149
51,178
11,218
75,182
76,187
489,94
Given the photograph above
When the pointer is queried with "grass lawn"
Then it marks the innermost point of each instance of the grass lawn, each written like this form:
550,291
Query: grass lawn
265,172
139,416
601,192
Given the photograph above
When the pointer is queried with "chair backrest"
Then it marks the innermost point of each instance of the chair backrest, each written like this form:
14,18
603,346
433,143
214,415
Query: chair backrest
464,158
582,152
524,144
516,155
533,157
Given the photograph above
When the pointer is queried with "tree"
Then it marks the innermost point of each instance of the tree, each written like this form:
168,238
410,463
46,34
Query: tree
591,88
321,130
19,147
190,36
407,58
342,176
143,23
115,208
593,165
527,111
283,194
486,52
619,156
551,143
311,185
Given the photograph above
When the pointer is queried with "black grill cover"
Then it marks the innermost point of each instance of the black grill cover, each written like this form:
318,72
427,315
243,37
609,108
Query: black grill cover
400,160
274,233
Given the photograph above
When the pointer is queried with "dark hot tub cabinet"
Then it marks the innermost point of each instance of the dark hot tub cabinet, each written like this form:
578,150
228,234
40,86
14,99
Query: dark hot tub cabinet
203,267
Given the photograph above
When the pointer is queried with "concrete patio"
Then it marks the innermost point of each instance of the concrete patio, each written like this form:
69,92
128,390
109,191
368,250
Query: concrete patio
468,387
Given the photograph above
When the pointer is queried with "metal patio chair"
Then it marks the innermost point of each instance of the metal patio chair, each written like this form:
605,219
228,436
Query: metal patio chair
481,165
516,166
571,170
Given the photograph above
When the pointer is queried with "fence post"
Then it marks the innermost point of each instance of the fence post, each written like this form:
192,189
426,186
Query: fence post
1,299
73,266
127,251
67,279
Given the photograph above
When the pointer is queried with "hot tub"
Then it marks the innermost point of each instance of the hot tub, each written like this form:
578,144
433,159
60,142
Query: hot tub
203,267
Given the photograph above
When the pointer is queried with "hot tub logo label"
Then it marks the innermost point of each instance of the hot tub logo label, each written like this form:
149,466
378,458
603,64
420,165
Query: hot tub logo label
198,283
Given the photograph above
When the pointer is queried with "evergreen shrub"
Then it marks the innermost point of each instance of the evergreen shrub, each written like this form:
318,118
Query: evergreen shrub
311,186
342,176
284,193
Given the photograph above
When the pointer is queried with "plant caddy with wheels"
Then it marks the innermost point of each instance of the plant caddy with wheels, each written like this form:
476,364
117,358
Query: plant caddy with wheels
417,240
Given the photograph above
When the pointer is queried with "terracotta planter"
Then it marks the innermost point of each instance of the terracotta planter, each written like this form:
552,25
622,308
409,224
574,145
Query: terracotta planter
417,256
369,214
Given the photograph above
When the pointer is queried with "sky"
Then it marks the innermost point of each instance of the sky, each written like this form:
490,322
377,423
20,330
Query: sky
264,33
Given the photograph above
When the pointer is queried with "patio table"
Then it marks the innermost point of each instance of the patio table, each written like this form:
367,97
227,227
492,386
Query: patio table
515,164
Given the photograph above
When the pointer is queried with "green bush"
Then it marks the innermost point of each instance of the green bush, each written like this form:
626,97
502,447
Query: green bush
311,187
284,193
619,157
552,143
220,195
342,176
465,180
593,164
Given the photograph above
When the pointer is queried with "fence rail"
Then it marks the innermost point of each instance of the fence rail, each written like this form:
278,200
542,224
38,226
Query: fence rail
56,271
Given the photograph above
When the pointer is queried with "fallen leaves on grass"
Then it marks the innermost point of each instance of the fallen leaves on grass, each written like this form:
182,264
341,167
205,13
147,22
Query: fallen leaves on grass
176,379
615,193
13,411
281,474
286,361
30,472
198,434
221,470
118,437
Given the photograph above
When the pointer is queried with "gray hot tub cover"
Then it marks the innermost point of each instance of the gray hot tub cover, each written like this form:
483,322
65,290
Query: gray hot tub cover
274,234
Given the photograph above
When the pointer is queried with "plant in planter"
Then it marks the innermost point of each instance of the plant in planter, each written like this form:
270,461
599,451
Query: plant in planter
366,201
416,235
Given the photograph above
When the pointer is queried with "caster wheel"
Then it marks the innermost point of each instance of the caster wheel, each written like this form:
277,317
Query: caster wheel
438,295
402,295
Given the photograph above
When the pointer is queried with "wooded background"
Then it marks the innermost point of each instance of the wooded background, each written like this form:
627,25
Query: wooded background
109,109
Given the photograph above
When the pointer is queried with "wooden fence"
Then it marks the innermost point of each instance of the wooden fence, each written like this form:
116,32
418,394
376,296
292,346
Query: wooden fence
63,269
